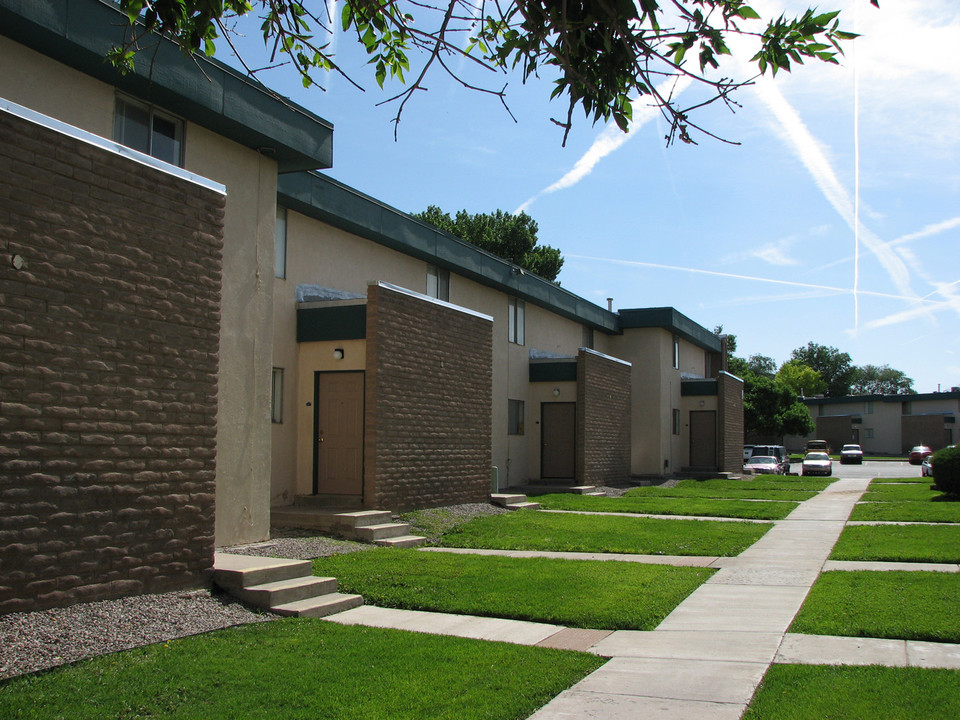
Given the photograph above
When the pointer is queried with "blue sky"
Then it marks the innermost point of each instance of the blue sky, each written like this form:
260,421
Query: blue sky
760,237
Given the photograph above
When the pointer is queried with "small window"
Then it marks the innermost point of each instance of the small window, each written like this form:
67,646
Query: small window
676,352
280,244
438,283
868,433
515,417
868,408
149,130
276,396
515,322
676,421
587,337
906,408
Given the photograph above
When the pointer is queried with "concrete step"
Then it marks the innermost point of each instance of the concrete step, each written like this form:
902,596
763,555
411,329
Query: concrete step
505,499
583,489
372,533
321,606
335,522
524,506
402,541
270,595
243,571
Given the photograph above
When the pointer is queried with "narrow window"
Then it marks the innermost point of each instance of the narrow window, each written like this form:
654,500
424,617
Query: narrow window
515,417
676,421
438,283
906,408
149,130
515,321
868,408
587,337
280,244
868,433
676,352
276,396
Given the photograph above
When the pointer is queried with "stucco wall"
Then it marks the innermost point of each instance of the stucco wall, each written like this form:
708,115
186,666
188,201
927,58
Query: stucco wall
108,372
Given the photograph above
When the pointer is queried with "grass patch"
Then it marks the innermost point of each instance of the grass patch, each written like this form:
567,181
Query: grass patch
569,532
575,593
912,479
911,492
898,604
761,487
802,692
703,507
899,543
302,669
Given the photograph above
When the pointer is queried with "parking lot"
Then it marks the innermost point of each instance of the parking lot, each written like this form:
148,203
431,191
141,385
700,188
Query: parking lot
869,469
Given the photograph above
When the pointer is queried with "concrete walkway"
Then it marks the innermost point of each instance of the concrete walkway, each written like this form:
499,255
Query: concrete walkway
707,657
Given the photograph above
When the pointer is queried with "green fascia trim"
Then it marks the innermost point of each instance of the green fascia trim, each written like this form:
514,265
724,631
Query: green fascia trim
553,371
702,388
338,322
950,395
336,204
79,33
669,319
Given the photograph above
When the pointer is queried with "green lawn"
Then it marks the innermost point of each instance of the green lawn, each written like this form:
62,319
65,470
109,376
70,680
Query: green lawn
574,593
570,532
899,543
905,492
808,692
902,605
694,506
908,502
761,487
302,669
912,479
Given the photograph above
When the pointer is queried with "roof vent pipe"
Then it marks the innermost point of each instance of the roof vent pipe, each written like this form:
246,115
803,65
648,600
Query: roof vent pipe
610,304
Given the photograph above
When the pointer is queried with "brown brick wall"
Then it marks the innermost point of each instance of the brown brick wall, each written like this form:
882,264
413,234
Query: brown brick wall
837,431
603,420
921,430
730,422
428,403
108,372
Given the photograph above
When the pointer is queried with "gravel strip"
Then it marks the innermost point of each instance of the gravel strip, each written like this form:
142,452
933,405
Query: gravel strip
32,641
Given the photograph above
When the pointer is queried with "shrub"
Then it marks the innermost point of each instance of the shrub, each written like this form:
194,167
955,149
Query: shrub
945,464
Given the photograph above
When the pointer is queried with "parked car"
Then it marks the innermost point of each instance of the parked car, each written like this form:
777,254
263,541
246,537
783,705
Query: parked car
777,451
817,446
851,455
763,465
816,463
747,452
918,453
926,469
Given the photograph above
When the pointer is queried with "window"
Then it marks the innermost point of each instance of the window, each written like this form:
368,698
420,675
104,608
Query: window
676,421
515,417
515,321
587,337
438,283
280,244
276,396
868,408
676,352
906,408
868,433
151,131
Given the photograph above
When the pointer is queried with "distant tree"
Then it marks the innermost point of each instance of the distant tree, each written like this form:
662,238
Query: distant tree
834,366
762,365
772,408
731,339
880,380
802,379
512,237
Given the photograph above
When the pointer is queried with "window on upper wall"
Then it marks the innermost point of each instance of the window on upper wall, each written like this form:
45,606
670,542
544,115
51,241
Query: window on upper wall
906,408
276,396
868,433
280,244
149,130
587,337
676,352
868,408
515,417
515,322
438,283
676,421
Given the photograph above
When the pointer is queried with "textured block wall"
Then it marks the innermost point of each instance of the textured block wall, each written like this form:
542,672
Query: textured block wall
603,419
730,423
428,403
108,372
920,430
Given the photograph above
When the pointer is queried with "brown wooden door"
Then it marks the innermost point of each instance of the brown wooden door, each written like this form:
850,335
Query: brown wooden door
338,437
558,440
703,439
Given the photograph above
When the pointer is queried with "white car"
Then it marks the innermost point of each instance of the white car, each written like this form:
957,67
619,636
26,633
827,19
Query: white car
763,465
747,452
816,463
851,455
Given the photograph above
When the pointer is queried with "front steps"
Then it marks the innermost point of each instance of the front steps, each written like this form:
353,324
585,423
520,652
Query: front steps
284,587
513,501
373,526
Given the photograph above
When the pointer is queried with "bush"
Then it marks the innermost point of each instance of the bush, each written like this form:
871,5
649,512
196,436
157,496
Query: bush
945,464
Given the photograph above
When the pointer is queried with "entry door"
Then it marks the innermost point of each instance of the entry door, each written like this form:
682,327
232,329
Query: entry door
338,433
703,438
558,440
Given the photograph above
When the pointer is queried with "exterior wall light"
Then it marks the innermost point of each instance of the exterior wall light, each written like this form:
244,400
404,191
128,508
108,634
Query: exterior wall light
338,354
556,392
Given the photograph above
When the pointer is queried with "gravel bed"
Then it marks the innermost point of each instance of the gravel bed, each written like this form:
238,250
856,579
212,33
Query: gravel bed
31,641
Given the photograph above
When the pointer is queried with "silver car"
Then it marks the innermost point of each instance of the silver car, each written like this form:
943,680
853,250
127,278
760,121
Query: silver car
817,463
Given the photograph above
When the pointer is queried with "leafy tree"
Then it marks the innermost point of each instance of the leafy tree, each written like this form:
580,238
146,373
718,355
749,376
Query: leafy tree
599,55
731,339
772,408
801,379
762,365
512,237
834,366
880,380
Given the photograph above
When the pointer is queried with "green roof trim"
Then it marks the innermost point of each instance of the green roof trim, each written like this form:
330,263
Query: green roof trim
946,395
698,388
337,322
669,319
325,199
553,371
79,33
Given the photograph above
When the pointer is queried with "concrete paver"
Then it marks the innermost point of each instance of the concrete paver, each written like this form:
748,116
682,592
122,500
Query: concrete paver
831,650
755,647
888,566
578,705
575,639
